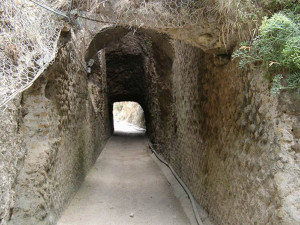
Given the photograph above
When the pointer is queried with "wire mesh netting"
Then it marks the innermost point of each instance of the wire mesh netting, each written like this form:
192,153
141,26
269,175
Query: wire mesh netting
144,13
28,40
29,33
157,13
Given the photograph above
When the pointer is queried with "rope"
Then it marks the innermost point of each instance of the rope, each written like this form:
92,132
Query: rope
183,185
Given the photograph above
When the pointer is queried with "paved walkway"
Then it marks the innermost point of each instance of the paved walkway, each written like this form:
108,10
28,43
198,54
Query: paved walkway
125,187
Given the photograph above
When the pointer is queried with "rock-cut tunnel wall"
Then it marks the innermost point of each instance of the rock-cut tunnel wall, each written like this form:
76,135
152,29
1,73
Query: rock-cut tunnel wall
63,122
235,145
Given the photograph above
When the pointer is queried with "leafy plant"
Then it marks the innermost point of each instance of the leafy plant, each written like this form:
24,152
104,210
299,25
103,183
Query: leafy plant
278,47
291,53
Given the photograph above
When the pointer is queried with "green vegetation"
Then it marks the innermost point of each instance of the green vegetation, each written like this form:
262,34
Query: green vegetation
272,6
277,46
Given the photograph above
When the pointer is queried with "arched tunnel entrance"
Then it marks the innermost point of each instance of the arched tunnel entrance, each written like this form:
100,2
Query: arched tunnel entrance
201,113
138,68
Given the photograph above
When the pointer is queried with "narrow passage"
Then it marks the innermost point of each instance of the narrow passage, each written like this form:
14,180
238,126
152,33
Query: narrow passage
125,187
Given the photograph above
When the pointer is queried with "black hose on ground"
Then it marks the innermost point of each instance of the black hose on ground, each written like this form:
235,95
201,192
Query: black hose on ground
183,185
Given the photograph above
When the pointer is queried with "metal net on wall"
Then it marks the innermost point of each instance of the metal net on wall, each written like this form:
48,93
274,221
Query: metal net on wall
152,14
158,13
29,33
28,41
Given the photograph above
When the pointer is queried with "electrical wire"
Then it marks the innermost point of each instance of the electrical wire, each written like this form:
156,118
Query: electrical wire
183,185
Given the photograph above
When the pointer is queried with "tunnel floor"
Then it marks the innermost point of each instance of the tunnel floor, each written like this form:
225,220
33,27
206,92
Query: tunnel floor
125,187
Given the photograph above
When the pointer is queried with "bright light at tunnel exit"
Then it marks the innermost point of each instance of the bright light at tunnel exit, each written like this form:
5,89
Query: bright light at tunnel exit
128,117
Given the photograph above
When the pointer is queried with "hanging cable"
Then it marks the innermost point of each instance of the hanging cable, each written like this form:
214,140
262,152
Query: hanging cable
70,7
183,185
50,9
77,57
95,20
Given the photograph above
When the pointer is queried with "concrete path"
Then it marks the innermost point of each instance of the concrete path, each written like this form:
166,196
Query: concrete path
125,187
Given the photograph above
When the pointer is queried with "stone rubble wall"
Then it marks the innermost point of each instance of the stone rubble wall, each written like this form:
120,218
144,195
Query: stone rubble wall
237,147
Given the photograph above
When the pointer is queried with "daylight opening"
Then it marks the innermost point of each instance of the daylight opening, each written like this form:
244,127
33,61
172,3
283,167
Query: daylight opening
128,117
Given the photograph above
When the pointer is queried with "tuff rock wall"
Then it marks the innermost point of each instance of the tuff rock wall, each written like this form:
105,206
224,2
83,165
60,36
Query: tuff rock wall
12,152
62,124
236,146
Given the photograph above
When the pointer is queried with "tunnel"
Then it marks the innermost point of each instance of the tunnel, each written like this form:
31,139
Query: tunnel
132,64
227,138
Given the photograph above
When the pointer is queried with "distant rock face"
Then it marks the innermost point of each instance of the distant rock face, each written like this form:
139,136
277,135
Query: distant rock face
130,112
